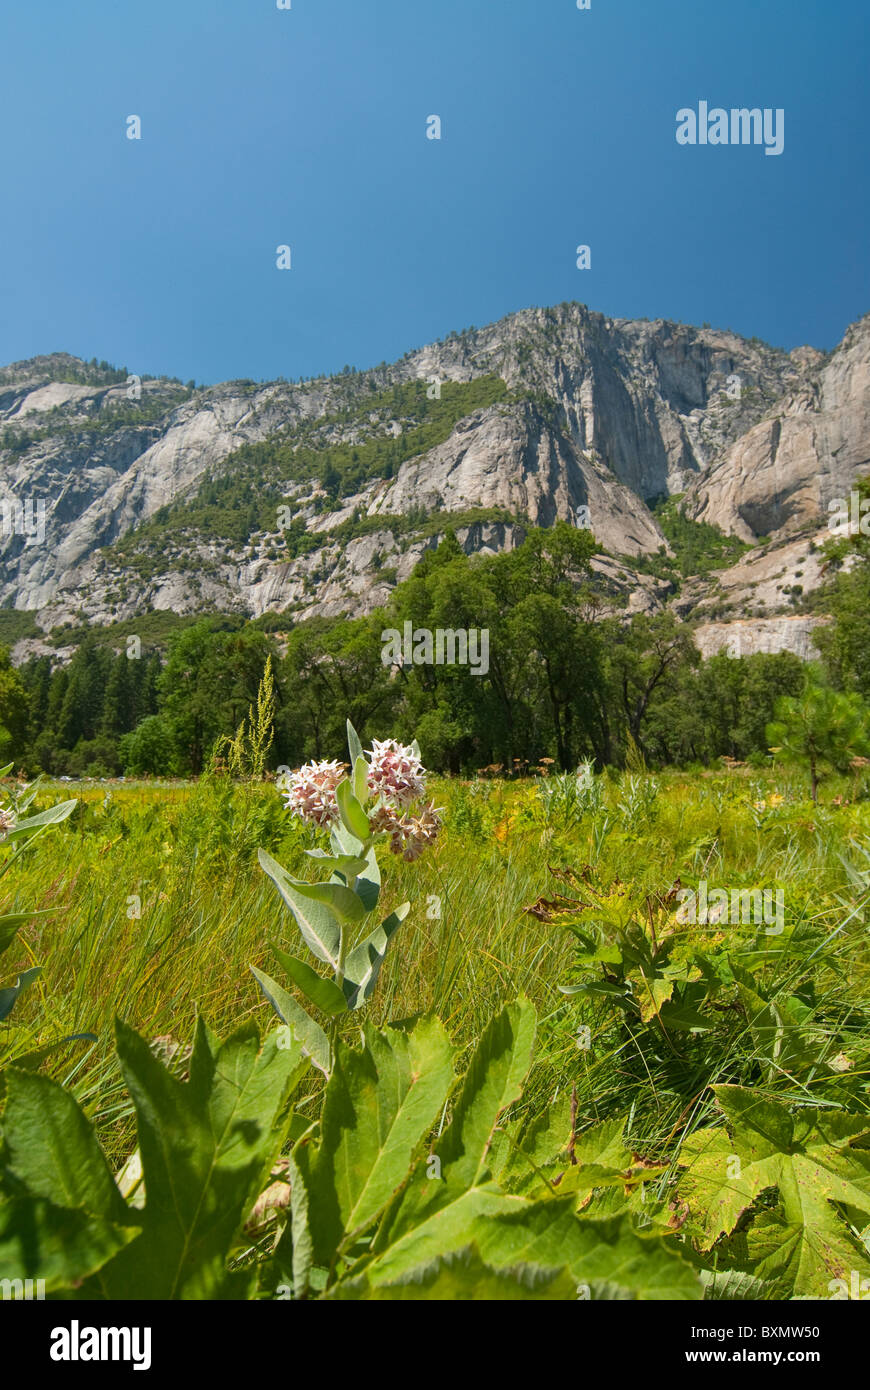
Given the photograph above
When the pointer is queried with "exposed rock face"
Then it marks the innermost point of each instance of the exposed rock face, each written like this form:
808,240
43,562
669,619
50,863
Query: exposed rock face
507,457
782,473
606,415
748,636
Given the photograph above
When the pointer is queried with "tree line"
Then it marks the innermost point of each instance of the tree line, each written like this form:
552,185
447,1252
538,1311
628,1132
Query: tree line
568,678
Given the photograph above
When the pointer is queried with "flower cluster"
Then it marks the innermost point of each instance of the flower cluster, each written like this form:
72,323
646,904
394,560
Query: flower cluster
7,822
395,773
311,792
396,781
409,835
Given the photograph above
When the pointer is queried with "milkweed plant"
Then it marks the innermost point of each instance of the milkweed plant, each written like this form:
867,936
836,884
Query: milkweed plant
378,799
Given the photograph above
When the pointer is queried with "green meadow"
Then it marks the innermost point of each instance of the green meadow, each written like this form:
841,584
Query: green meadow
652,1035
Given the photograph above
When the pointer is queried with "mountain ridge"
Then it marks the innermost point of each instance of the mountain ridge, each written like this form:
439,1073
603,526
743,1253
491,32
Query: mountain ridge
554,413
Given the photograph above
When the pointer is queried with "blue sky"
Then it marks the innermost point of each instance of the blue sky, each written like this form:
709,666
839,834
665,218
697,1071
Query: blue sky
307,127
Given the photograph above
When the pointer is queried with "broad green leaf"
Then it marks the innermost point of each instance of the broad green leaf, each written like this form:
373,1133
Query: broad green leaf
348,865
368,883
299,1232
318,926
531,1151
464,1276
607,1256
41,1241
353,817
777,1027
53,816
207,1149
9,996
324,993
341,901
684,1018
53,1148
361,780
380,1104
310,1035
492,1083
733,1286
364,962
433,1213
811,1161
651,992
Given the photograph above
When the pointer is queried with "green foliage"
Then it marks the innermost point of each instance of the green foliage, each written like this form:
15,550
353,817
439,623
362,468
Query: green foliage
207,1147
243,500
818,1164
441,1218
697,547
562,682
820,728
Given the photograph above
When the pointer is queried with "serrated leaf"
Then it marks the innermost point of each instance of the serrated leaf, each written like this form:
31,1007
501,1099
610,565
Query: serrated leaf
809,1158
207,1149
317,924
310,1035
364,962
734,1285
380,1104
53,1148
463,1275
324,993
607,1256
62,1247
684,1018
433,1214
651,992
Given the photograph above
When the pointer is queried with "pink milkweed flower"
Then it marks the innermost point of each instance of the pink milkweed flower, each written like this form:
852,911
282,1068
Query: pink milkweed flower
409,835
395,773
311,792
7,822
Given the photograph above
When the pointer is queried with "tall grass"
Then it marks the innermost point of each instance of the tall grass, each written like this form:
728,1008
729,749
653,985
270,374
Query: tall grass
163,908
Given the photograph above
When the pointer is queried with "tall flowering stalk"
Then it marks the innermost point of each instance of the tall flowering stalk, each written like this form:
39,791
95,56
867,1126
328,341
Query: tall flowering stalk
333,796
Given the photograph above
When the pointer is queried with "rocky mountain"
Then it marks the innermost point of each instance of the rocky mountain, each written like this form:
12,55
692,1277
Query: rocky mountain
318,496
